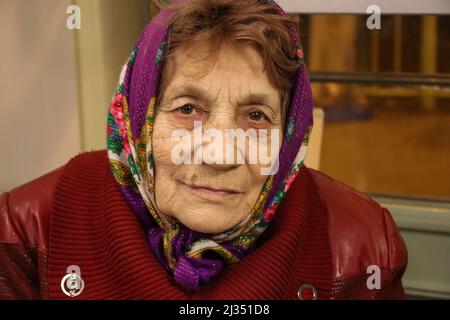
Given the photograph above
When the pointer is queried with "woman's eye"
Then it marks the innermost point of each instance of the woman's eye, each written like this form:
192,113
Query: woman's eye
187,109
189,112
256,115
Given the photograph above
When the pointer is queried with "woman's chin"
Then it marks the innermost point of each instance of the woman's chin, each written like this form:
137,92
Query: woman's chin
211,222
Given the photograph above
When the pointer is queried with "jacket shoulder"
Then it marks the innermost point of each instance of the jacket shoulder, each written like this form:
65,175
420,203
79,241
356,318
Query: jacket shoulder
25,211
362,233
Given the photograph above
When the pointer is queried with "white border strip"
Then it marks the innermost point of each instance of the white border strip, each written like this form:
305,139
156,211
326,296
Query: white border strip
426,289
422,7
416,215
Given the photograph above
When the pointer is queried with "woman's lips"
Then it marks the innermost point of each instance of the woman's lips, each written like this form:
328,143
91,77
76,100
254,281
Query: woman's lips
212,194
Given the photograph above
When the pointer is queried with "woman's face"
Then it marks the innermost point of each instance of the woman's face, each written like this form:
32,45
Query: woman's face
196,180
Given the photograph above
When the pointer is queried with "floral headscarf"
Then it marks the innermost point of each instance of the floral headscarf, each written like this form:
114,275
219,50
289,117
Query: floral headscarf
129,139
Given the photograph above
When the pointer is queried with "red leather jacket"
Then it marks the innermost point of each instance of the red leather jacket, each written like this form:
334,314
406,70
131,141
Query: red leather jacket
326,235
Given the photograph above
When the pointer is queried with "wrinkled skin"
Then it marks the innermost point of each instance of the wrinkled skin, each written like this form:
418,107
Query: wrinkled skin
229,92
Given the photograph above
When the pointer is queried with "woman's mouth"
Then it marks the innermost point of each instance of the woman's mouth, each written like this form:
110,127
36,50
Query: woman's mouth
212,193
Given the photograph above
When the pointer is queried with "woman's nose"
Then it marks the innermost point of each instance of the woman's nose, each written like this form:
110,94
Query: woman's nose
218,150
221,117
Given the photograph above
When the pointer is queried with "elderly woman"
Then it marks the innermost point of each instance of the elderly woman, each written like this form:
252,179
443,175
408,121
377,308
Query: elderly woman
176,209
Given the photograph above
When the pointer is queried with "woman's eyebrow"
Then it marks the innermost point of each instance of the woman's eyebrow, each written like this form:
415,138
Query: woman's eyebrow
260,99
255,98
190,91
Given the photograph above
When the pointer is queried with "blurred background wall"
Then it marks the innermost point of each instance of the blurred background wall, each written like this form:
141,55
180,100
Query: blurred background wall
39,118
56,83
109,31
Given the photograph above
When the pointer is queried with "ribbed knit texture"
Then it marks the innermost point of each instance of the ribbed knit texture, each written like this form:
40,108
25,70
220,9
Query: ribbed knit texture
93,227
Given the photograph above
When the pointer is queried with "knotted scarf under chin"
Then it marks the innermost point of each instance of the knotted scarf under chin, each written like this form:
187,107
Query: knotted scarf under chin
189,272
